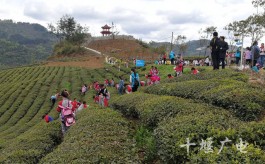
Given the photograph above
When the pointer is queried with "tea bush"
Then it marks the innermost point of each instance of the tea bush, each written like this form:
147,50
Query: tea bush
151,109
31,146
245,102
206,75
127,104
30,100
145,141
99,136
164,107
174,132
175,119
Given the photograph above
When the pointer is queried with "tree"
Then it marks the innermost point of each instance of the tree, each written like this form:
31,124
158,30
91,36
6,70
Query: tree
79,35
255,27
252,27
230,37
203,41
67,28
181,44
115,32
53,30
208,32
258,3
160,49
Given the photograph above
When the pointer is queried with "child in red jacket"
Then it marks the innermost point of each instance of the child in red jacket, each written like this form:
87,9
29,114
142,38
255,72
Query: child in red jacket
169,76
194,71
178,69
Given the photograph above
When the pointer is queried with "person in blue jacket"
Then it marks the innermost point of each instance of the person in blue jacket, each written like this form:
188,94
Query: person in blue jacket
134,80
238,55
172,57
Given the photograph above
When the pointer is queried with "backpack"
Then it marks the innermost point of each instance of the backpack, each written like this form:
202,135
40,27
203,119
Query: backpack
68,116
108,96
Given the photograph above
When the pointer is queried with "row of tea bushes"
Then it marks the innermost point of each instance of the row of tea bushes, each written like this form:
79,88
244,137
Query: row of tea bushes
206,75
246,102
99,136
175,119
172,133
25,97
152,109
32,145
127,104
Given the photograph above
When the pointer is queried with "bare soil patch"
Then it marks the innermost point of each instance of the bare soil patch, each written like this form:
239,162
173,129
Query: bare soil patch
121,48
87,62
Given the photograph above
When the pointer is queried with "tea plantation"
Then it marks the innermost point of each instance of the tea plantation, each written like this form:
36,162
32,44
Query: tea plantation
149,126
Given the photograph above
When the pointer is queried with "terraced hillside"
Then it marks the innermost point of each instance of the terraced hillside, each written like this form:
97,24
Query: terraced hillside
25,98
205,110
144,127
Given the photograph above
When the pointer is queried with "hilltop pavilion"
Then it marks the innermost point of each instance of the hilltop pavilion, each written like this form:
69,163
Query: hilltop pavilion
105,30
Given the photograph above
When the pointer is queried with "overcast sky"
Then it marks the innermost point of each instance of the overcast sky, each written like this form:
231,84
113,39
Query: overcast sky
146,19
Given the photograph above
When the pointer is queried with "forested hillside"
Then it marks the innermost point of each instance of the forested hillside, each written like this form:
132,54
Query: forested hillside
23,43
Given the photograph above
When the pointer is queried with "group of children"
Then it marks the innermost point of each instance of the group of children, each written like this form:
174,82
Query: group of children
102,96
67,109
109,82
179,69
152,77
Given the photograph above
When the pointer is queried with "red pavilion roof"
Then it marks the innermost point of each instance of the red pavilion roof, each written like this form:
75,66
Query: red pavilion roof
106,27
105,32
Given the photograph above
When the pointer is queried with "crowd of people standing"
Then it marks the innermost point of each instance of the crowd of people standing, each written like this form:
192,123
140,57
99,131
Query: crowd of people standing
252,56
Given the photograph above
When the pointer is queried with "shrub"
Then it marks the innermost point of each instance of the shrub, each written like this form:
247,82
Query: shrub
245,102
143,68
173,132
230,155
66,49
164,107
146,142
99,136
218,75
127,105
254,133
31,146
152,109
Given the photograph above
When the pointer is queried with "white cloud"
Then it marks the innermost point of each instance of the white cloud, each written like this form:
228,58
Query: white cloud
38,11
146,19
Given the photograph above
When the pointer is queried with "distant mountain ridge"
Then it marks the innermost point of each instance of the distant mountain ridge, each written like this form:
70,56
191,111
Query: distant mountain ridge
195,47
23,43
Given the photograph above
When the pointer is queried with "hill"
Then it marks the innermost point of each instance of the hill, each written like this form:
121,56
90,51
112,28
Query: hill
23,43
122,48
87,59
144,127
